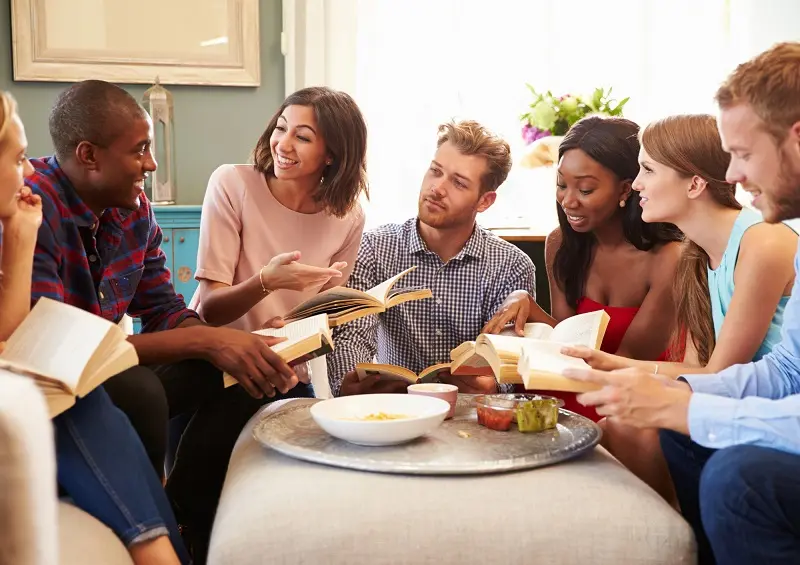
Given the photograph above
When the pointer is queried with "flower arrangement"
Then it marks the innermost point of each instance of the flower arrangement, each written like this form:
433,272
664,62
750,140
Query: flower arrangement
553,116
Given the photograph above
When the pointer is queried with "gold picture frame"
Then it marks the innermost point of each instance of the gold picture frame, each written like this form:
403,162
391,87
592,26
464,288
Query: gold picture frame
191,42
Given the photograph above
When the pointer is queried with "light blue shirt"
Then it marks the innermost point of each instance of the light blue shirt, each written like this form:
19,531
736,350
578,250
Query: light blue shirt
721,287
756,403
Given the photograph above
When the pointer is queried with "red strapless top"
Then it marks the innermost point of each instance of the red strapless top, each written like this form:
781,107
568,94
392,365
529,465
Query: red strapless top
620,319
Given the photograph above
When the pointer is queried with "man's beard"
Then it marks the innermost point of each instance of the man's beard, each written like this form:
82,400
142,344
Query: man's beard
786,202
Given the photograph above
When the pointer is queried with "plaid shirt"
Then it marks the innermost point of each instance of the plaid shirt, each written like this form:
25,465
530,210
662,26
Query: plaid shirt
467,291
106,266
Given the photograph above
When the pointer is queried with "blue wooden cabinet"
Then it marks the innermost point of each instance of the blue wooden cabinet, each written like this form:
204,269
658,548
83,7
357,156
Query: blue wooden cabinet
181,227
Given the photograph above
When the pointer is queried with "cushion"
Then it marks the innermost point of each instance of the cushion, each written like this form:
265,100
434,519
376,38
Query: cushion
84,540
589,510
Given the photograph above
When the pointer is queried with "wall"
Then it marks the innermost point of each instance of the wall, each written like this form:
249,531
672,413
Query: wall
213,125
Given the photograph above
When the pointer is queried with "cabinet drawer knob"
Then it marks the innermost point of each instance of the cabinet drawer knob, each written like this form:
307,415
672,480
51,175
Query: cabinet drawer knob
182,240
166,239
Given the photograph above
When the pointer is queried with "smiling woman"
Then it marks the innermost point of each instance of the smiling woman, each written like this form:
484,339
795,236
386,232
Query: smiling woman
274,233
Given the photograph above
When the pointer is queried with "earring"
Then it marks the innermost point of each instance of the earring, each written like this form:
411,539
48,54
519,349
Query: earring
621,203
328,162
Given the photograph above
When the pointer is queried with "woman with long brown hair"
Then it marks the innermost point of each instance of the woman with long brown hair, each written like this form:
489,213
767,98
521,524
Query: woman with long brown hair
735,273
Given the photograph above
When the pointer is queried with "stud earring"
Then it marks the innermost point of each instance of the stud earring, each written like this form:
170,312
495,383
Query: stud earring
621,203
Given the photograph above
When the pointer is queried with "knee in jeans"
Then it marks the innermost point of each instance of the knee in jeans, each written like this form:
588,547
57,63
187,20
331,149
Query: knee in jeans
729,473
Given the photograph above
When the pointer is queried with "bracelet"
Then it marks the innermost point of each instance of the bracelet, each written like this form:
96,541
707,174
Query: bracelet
656,371
264,289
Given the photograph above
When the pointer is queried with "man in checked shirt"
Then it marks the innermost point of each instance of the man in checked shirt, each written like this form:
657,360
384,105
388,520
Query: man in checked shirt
468,269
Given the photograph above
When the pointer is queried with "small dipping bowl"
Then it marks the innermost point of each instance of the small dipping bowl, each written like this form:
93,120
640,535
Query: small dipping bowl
448,393
499,411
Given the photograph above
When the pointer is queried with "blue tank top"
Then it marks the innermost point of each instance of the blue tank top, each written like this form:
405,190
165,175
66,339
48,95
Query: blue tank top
720,284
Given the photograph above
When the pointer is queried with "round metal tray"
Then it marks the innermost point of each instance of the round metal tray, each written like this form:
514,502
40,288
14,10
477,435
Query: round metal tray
459,446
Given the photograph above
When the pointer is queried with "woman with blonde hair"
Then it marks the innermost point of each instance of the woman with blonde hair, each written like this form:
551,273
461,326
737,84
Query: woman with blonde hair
101,463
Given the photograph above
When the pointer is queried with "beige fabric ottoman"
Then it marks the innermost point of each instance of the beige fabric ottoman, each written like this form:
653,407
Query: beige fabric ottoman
591,510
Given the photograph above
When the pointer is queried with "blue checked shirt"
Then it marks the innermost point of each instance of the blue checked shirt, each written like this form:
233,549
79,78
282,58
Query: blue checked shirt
467,291
755,403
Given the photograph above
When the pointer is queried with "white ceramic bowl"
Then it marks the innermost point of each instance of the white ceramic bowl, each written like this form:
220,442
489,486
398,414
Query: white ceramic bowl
341,417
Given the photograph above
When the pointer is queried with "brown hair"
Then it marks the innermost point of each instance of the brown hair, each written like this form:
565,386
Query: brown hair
471,138
344,132
690,145
8,108
770,84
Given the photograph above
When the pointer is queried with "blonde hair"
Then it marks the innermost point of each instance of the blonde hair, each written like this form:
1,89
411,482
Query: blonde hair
770,84
471,138
8,109
690,145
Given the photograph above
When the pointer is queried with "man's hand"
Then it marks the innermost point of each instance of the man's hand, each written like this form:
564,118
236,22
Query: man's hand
470,384
249,359
515,308
372,384
596,359
637,398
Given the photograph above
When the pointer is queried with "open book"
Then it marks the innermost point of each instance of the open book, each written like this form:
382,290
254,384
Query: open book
68,352
396,372
500,355
307,338
343,304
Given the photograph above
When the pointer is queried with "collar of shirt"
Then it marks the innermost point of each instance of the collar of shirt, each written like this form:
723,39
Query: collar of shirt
81,214
475,246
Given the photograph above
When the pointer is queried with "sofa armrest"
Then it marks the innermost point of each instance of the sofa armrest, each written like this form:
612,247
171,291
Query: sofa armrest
28,498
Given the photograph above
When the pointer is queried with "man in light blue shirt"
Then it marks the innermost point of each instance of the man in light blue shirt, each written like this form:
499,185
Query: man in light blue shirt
732,439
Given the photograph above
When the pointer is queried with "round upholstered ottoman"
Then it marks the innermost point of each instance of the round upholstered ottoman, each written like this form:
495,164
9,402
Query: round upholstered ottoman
590,510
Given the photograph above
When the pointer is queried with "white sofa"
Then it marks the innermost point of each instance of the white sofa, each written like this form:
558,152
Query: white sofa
35,527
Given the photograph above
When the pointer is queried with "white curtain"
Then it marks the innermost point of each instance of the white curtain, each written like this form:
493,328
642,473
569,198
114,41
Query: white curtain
412,64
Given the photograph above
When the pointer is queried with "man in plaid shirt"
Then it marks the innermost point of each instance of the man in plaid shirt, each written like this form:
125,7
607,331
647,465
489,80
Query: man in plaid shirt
99,249
469,270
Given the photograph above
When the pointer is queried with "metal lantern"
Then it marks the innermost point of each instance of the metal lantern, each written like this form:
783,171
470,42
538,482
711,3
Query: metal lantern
157,100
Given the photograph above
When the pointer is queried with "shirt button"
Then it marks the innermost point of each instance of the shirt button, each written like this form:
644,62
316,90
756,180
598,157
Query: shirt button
92,258
712,437
102,296
438,333
438,301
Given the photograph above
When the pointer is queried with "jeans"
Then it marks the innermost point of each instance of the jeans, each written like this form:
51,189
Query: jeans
743,502
216,416
103,467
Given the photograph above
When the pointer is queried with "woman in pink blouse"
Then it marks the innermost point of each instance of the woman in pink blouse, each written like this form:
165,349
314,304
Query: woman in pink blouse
276,232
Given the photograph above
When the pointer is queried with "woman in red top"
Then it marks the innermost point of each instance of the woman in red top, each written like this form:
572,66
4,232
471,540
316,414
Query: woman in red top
603,256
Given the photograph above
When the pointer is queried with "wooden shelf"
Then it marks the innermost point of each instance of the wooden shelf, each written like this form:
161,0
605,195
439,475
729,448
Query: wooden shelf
520,234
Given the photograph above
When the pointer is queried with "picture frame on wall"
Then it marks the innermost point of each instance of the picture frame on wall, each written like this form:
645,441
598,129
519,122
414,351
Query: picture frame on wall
191,42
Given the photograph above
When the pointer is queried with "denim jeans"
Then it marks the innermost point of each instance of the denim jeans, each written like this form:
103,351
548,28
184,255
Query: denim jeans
103,467
743,502
207,418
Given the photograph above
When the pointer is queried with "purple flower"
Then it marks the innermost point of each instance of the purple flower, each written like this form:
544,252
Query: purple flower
531,133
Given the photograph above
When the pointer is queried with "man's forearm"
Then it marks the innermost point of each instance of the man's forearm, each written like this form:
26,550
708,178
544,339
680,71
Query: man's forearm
190,340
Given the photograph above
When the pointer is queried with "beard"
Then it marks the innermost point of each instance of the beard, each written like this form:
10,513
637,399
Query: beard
784,202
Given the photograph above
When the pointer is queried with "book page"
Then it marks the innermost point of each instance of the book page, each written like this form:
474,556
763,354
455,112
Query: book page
534,330
506,344
381,292
584,329
391,372
297,331
57,341
330,298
